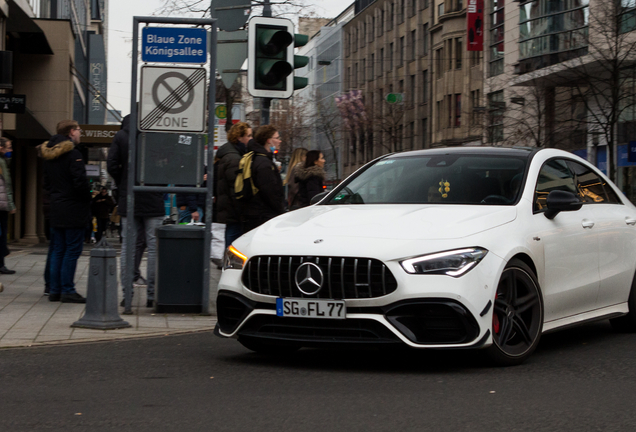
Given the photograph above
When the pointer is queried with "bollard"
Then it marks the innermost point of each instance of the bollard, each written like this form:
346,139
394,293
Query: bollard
101,296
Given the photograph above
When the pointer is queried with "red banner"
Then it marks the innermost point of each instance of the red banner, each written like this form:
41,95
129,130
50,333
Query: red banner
475,20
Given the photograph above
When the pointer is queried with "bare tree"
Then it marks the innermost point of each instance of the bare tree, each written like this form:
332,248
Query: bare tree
289,117
201,8
539,116
229,97
328,124
386,121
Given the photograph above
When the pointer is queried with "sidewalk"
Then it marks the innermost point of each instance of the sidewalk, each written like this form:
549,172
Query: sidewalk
27,318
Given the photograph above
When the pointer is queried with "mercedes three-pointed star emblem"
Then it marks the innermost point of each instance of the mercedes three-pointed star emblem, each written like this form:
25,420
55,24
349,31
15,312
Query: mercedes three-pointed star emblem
309,278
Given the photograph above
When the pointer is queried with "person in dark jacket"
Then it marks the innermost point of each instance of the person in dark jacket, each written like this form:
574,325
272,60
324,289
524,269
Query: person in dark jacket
149,207
65,179
311,177
101,207
269,201
6,200
227,162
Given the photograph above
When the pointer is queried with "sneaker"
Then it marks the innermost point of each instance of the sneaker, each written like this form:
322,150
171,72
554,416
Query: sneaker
54,297
217,262
5,270
71,298
150,303
47,289
139,282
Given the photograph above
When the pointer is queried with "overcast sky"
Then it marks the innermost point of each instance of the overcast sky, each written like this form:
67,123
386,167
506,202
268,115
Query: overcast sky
120,41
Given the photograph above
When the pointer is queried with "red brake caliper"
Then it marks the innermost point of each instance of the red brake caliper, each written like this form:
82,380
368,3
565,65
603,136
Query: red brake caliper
495,323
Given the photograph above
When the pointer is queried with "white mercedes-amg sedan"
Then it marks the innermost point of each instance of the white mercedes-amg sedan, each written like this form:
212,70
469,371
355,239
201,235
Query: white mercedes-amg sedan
466,247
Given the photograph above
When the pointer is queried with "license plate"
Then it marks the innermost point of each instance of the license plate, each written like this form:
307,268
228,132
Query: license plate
304,308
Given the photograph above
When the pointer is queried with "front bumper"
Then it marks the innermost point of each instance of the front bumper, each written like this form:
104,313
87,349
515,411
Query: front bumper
416,322
425,311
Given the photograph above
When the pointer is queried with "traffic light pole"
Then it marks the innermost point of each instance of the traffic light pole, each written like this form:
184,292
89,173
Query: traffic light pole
266,102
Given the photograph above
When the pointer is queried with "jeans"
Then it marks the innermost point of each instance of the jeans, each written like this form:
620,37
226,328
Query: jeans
4,250
185,216
150,225
232,232
102,226
49,261
67,248
140,247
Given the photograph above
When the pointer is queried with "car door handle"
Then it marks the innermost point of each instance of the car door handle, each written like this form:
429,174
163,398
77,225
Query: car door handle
630,221
587,223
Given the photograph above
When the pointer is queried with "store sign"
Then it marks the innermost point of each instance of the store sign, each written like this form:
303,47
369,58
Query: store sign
12,103
475,20
98,134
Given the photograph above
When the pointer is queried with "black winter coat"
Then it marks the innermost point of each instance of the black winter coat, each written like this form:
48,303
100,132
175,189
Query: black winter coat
65,179
102,206
310,181
269,201
147,204
228,158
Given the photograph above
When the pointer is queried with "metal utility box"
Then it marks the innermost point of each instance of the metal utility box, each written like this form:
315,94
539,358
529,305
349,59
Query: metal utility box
180,261
171,158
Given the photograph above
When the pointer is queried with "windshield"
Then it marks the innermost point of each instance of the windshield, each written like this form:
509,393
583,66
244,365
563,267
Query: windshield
442,179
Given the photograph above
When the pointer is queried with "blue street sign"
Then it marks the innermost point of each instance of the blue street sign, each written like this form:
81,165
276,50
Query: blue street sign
174,45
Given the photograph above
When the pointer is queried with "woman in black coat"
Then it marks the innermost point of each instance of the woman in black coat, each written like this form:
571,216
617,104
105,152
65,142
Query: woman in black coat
310,177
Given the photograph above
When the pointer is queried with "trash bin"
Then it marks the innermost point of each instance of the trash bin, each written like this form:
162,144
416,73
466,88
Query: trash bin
180,261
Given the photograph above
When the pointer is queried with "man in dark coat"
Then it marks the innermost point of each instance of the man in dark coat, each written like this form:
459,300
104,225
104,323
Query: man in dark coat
269,201
149,207
228,158
65,179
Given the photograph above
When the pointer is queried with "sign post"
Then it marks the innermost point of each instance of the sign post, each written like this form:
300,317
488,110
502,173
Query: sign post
176,93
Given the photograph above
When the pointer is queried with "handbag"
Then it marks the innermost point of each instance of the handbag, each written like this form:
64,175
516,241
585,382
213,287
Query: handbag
4,199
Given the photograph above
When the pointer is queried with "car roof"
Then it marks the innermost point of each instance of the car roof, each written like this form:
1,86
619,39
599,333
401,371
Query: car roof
525,152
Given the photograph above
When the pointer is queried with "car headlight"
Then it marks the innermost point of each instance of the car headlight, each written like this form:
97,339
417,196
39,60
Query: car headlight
452,263
233,259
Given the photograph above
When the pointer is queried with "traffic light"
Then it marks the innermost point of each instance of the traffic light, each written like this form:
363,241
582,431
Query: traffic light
271,59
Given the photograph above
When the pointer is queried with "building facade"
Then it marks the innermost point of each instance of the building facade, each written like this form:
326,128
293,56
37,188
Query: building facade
54,53
325,82
407,60
566,81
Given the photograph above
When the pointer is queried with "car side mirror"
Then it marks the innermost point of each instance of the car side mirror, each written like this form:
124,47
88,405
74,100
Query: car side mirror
559,201
316,198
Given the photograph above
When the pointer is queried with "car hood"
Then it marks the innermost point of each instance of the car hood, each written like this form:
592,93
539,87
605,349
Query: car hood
347,228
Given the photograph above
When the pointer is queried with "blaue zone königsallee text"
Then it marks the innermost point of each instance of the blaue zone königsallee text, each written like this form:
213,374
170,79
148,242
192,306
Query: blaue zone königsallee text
174,45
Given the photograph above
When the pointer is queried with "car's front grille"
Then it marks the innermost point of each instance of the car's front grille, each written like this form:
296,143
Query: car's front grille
343,278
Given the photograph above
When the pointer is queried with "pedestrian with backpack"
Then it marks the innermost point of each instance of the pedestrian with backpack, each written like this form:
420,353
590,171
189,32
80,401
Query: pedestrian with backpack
227,158
262,197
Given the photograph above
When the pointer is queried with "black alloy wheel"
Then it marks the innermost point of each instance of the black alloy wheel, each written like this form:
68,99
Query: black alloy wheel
517,319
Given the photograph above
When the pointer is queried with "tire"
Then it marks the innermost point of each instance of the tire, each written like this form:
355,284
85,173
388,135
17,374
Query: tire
627,323
268,347
517,320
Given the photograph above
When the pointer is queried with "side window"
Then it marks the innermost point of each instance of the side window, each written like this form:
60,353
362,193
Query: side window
554,175
589,186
